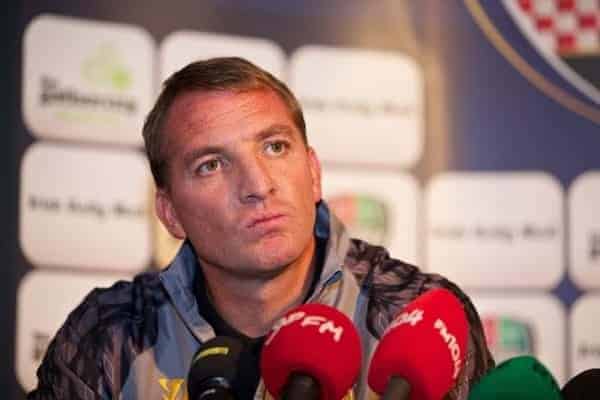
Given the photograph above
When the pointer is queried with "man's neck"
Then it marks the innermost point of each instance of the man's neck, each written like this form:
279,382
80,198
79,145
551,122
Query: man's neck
251,306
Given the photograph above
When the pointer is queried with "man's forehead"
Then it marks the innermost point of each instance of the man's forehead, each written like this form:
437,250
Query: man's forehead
198,107
201,108
197,112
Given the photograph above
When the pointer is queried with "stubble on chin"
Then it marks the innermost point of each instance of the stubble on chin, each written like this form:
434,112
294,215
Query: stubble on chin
260,260
267,265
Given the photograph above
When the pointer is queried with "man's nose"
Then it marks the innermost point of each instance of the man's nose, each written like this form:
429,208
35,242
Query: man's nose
256,181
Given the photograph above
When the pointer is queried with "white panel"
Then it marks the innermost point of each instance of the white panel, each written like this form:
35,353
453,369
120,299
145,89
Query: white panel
544,317
183,47
496,229
84,208
361,106
44,301
381,208
584,230
87,81
585,334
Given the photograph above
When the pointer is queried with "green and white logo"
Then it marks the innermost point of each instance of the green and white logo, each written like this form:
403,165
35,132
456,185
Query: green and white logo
508,337
366,217
97,88
105,69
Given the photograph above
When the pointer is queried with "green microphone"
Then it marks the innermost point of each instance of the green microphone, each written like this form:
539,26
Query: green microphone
518,378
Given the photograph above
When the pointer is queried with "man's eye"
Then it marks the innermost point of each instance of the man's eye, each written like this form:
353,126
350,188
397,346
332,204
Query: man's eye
276,148
209,166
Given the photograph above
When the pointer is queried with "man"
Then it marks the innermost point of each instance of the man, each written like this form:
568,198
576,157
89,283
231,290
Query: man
238,182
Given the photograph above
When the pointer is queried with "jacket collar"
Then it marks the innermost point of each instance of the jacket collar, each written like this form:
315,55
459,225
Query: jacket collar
178,279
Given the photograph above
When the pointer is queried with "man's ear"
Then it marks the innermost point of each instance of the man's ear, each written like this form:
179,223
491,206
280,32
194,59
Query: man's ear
167,215
315,171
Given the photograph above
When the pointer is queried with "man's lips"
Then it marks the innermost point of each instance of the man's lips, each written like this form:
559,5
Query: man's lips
264,220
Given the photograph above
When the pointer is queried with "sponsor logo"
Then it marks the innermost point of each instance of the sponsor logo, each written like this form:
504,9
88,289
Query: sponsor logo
594,247
179,48
588,350
412,318
39,316
584,235
172,388
390,109
86,210
489,229
98,88
213,351
565,34
417,315
508,336
103,71
496,233
453,347
365,216
381,208
360,108
324,325
39,202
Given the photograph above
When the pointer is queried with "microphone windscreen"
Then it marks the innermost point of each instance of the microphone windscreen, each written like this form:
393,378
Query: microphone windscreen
425,345
315,340
518,378
217,358
584,386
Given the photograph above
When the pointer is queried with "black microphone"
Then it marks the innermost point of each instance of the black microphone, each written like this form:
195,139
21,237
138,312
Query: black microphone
584,386
214,369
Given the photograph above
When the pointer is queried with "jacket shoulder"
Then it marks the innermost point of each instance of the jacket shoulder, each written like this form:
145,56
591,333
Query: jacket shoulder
390,283
95,347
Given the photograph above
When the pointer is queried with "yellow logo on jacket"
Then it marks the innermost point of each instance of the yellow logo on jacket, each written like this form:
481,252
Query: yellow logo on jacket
172,388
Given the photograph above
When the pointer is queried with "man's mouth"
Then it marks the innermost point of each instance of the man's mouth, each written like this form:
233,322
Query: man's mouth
265,220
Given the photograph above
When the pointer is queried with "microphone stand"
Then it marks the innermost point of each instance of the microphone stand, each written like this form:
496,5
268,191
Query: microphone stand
397,389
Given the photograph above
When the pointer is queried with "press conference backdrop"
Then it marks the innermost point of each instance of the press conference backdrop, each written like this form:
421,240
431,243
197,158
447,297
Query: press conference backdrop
464,136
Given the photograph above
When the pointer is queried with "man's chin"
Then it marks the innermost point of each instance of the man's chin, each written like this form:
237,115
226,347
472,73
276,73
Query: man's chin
270,267
253,272
266,274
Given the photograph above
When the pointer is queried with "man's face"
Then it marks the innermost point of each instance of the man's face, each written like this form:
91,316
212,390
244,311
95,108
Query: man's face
242,185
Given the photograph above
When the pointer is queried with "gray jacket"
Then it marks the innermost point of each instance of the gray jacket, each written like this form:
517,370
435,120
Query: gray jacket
135,340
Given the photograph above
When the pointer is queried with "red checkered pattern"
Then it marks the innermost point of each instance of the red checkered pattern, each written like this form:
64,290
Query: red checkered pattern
566,26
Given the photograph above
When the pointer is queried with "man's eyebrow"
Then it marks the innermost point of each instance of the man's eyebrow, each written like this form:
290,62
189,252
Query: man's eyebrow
275,129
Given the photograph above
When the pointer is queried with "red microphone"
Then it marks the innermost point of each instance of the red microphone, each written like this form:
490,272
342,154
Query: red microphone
422,352
313,352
